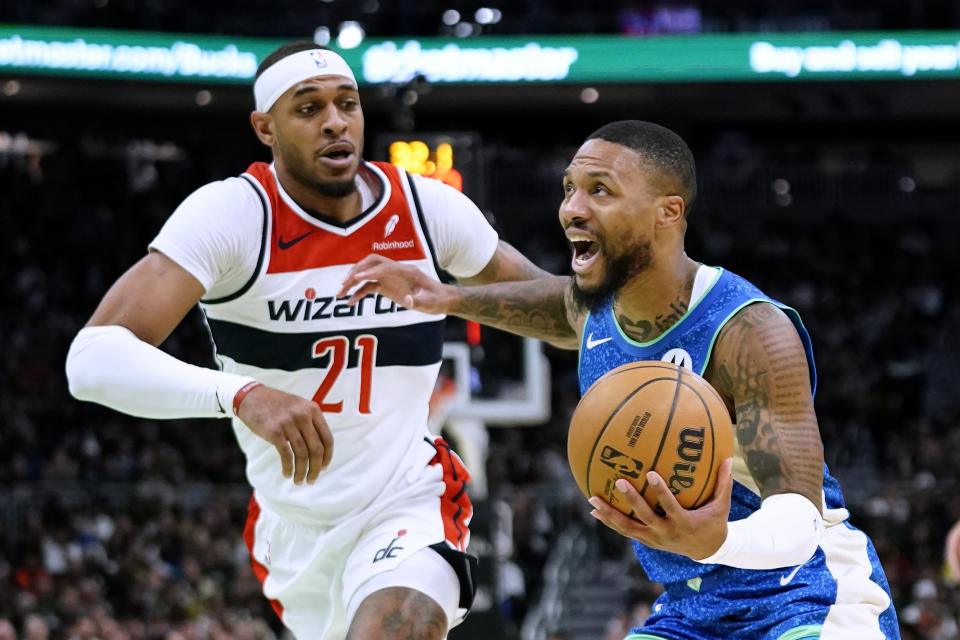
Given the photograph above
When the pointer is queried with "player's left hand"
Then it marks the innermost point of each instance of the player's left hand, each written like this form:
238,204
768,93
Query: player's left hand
695,533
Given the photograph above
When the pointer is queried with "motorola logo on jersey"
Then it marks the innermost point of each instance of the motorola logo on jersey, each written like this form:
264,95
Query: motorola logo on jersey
314,307
679,357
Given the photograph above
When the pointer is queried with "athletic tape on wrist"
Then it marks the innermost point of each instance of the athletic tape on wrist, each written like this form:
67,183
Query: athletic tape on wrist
295,68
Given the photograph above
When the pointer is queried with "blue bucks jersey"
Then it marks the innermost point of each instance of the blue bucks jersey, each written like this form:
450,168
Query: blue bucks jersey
710,597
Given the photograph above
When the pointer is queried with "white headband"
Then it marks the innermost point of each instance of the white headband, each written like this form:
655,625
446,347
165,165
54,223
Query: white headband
295,68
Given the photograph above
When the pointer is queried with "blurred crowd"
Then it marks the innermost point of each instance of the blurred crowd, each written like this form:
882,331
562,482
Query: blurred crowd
118,528
473,17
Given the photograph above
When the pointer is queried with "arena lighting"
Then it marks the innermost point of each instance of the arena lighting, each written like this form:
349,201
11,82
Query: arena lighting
20,144
781,190
463,30
351,34
589,95
321,35
451,17
486,15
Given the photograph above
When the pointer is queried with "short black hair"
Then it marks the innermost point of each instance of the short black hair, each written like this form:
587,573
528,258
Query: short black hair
660,147
283,51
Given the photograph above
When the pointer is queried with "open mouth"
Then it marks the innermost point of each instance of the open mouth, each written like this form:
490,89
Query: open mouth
585,251
337,155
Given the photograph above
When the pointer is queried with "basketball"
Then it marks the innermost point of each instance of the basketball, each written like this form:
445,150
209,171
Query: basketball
645,416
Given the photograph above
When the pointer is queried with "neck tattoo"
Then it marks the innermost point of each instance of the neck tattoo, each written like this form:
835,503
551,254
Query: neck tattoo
642,330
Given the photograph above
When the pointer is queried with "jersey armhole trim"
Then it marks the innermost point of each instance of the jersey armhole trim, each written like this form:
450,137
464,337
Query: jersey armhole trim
791,313
260,257
713,340
441,273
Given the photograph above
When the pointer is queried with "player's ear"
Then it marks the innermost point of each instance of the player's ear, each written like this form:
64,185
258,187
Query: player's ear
263,126
671,211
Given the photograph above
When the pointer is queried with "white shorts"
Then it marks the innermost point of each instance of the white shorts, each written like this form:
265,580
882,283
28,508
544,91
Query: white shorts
415,537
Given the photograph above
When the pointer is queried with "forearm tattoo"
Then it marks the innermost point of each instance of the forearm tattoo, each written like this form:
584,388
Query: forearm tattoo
533,308
764,369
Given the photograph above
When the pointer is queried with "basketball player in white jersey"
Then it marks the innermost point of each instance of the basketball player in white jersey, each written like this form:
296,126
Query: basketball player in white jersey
358,523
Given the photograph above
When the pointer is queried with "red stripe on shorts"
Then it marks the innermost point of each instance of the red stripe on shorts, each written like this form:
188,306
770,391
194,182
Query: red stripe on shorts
259,570
455,506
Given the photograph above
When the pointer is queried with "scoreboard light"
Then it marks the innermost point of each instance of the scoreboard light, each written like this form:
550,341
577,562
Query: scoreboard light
454,158
416,157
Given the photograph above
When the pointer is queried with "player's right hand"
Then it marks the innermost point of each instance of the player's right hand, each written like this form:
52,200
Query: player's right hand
403,283
696,533
295,426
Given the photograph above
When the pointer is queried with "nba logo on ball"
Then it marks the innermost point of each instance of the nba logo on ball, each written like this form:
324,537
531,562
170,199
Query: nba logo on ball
650,415
318,59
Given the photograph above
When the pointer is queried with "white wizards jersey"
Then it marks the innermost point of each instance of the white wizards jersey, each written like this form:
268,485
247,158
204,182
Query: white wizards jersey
371,367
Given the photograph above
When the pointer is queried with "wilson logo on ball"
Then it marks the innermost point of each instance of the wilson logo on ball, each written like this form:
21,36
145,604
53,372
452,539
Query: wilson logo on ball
690,450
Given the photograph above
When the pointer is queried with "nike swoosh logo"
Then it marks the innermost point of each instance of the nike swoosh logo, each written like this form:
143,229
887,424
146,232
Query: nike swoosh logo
287,245
591,343
784,580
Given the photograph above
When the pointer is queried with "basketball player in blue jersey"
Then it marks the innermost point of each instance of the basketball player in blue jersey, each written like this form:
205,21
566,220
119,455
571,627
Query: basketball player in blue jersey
358,526
772,555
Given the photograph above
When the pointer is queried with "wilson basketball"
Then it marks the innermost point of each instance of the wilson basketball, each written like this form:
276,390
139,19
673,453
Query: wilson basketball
645,416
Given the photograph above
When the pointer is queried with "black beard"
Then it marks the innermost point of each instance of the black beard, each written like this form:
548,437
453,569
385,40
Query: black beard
340,189
620,269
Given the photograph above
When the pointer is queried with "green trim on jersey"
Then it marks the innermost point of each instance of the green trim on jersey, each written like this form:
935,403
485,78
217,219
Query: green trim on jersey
713,340
806,632
720,327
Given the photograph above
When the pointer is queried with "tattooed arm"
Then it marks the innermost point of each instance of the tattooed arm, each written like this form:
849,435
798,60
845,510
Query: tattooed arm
536,309
760,368
541,308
